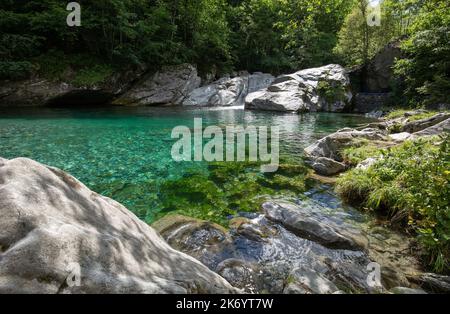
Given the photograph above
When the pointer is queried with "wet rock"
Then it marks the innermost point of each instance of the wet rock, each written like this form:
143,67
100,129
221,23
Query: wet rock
52,225
420,125
307,221
170,86
432,282
404,290
328,167
241,274
317,89
192,236
304,280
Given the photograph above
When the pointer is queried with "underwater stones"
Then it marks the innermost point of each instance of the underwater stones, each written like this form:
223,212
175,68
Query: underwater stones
51,225
240,274
305,221
189,234
317,89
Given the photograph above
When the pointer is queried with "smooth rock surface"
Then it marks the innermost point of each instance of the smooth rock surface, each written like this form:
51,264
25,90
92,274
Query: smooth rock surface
301,91
52,224
310,223
328,167
170,86
228,91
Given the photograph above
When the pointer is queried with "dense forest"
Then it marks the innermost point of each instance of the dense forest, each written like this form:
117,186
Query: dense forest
223,35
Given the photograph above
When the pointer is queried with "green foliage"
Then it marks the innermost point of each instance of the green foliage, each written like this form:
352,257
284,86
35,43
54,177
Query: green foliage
399,113
332,92
359,152
358,42
79,69
228,188
216,35
410,184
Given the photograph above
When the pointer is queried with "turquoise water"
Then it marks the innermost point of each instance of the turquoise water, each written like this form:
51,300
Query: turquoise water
124,153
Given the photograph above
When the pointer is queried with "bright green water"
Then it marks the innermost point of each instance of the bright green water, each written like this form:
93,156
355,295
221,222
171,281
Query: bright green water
124,153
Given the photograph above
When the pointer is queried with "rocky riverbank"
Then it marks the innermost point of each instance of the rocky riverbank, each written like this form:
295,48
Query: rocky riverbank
57,236
319,89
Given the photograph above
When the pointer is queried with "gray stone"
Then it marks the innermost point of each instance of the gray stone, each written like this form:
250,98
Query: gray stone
52,224
170,86
400,137
308,281
366,164
404,290
228,91
305,221
438,129
300,91
328,167
420,125
332,145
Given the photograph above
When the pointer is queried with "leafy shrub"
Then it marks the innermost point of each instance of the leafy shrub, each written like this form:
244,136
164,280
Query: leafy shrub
15,70
410,184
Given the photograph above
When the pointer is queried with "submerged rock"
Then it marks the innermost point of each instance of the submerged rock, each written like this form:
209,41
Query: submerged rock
266,255
57,236
318,89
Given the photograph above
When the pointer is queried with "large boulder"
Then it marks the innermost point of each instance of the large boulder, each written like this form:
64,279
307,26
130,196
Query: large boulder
57,236
318,89
228,91
309,222
332,145
170,86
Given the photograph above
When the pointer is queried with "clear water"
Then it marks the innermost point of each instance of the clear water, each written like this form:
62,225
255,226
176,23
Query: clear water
124,153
